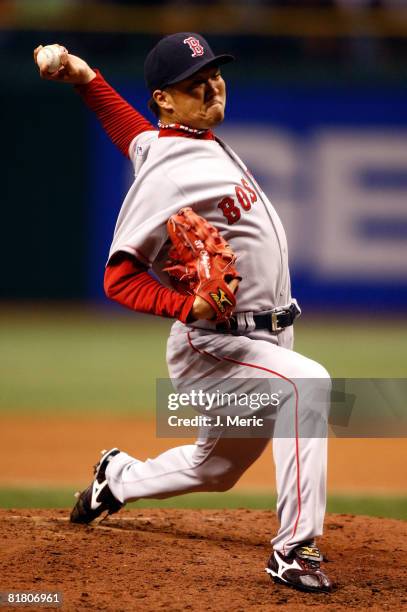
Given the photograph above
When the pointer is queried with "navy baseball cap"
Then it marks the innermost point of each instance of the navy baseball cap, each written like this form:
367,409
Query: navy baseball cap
178,56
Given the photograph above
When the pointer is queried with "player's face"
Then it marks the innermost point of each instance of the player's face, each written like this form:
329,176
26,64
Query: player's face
198,101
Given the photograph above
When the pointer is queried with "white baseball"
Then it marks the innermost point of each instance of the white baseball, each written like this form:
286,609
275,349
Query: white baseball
49,57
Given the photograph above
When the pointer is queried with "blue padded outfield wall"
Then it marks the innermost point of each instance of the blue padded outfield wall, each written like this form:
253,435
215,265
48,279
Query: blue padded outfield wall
334,164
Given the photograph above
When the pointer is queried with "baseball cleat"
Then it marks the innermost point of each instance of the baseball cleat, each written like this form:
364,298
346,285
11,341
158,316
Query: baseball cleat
97,499
300,569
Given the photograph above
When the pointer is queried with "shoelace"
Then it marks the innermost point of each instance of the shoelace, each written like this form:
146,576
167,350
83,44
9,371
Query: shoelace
311,564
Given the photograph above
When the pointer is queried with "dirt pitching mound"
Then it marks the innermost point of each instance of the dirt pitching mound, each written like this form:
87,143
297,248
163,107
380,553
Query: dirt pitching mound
210,560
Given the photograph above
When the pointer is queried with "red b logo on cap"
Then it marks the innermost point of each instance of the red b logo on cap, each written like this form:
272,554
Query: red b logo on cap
195,46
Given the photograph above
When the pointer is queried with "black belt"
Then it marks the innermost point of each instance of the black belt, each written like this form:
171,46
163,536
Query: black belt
275,320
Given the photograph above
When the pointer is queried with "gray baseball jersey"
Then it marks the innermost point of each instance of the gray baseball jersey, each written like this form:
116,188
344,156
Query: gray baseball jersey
208,176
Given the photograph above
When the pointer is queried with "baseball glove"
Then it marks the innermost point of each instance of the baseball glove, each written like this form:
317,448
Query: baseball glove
201,262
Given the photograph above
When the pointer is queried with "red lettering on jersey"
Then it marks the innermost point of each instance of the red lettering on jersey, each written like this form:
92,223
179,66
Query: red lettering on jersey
253,194
243,198
195,46
230,210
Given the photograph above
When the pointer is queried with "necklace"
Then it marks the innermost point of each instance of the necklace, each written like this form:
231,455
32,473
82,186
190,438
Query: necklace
179,126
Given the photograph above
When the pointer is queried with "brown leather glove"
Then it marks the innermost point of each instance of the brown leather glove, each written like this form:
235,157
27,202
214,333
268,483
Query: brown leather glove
201,262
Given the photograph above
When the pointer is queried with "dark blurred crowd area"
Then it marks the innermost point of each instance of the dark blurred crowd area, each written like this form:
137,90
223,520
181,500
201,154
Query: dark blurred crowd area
288,40
237,3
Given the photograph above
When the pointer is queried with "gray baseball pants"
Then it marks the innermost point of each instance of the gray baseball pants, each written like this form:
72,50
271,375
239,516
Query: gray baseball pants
216,462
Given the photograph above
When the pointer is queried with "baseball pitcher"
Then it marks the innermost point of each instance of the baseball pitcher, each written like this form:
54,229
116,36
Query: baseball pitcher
198,220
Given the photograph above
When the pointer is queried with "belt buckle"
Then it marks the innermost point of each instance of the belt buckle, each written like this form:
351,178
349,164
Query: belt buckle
274,321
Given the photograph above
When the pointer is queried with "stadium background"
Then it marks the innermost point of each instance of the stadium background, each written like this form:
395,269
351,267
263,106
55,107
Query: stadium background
317,108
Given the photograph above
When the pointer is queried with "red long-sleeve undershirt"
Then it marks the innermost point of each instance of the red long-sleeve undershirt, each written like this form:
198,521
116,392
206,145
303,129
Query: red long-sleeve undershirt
128,282
120,121
126,279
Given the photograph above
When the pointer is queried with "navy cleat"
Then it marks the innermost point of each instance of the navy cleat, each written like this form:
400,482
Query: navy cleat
300,569
97,499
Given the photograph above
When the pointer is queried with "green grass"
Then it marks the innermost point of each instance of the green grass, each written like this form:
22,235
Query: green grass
76,360
362,349
80,360
391,507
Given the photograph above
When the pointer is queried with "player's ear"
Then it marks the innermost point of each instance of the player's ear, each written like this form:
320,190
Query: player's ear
163,99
